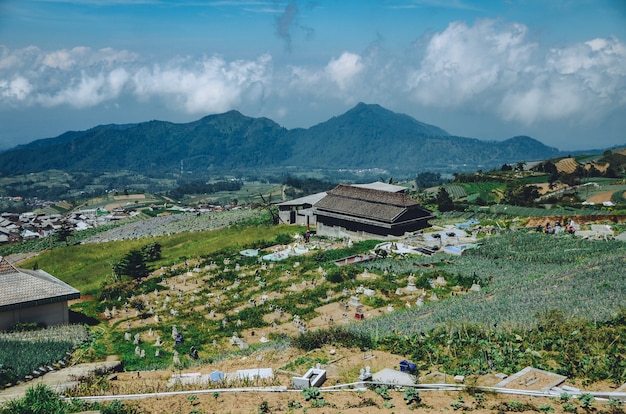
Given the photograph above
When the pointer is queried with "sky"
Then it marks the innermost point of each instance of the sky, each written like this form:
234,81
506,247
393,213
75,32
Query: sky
554,70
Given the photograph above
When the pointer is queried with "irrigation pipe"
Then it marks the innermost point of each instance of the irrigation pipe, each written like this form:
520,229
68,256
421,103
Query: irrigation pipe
173,393
360,386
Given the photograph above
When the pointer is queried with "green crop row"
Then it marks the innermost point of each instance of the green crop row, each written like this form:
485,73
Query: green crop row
25,352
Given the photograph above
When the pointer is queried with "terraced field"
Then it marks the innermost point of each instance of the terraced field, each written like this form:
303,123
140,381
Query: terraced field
566,165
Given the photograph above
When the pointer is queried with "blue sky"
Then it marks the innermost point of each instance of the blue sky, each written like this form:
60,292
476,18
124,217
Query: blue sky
554,70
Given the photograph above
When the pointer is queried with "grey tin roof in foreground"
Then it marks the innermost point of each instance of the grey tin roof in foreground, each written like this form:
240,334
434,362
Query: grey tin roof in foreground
22,288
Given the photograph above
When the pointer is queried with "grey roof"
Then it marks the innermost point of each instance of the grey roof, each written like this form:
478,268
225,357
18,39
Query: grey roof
22,288
310,199
377,205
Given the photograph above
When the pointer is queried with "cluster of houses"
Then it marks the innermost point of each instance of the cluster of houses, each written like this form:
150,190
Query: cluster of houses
16,227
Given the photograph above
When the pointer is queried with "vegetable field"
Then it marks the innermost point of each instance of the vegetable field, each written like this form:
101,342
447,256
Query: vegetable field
21,353
523,275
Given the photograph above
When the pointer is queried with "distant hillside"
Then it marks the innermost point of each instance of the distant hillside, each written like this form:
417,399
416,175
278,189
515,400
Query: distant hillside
365,137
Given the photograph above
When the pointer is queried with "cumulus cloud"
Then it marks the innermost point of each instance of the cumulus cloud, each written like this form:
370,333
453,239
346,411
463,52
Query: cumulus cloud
490,66
344,69
17,88
210,85
464,61
81,77
88,90
497,68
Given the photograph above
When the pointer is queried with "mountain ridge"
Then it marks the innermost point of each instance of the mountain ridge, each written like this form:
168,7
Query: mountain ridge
368,136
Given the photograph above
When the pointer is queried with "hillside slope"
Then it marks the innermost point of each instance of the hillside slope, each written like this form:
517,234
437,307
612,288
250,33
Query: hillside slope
365,137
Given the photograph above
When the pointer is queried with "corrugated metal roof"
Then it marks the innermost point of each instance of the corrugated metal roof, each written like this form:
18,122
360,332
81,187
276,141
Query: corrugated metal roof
310,199
379,205
20,288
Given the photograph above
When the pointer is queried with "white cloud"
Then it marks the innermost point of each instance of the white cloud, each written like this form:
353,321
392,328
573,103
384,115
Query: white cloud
464,62
88,90
343,70
494,67
207,86
16,89
60,59
491,67
81,77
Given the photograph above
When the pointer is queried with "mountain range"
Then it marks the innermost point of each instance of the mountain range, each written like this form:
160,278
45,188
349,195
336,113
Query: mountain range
367,137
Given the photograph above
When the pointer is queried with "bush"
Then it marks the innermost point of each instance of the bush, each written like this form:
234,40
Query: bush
118,407
39,399
27,326
7,376
412,396
342,274
283,238
112,291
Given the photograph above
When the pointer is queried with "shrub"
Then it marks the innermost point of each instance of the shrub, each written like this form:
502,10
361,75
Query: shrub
412,396
118,407
283,238
335,335
342,274
7,376
586,401
112,291
546,408
615,406
312,393
383,391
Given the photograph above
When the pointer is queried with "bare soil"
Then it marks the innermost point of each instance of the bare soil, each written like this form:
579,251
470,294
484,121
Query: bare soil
601,197
343,366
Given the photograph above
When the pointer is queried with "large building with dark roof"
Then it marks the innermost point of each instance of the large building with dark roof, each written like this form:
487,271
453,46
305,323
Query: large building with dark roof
369,211
28,296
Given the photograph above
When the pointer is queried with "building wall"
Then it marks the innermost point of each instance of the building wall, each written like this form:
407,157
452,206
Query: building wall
49,315
341,232
332,227
302,217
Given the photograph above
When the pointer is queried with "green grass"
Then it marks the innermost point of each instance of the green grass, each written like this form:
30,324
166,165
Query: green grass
482,190
86,266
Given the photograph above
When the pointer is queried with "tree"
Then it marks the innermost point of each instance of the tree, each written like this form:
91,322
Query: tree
428,179
444,201
520,194
64,233
271,208
151,252
133,265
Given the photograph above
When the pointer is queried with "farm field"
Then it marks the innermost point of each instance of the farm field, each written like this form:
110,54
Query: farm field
242,312
234,309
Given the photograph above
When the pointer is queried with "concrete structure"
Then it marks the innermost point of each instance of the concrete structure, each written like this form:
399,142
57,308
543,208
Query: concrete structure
391,376
32,296
314,377
300,210
369,211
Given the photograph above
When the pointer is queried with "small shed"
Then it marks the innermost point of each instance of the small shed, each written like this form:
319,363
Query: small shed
32,296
